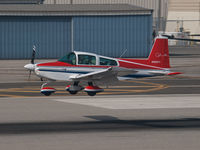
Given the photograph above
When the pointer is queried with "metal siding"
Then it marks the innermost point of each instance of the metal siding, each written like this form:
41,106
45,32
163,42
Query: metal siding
51,35
111,35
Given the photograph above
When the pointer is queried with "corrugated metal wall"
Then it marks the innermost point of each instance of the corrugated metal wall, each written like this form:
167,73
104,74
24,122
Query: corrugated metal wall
111,35
51,35
105,35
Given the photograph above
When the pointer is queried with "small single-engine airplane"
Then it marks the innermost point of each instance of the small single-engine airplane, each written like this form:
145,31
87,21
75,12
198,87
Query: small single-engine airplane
79,67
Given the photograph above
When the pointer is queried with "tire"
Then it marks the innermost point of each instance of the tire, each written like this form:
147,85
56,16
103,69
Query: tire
47,94
91,93
73,92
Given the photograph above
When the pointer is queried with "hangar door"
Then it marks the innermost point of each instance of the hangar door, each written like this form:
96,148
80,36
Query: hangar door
114,35
50,35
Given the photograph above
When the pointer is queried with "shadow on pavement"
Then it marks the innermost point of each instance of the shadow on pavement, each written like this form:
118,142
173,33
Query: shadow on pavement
100,124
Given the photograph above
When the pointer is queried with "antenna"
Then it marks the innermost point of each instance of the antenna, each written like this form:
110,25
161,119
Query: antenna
123,53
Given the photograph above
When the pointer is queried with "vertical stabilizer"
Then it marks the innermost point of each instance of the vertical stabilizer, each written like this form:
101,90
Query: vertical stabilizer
159,55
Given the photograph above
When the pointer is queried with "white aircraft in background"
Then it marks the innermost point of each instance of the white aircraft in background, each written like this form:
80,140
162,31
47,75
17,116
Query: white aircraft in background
79,67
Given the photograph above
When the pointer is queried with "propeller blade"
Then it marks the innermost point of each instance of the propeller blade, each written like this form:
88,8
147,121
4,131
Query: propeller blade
29,76
33,55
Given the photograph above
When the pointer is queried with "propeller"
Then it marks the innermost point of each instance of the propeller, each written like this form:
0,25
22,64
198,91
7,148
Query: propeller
31,66
29,76
33,55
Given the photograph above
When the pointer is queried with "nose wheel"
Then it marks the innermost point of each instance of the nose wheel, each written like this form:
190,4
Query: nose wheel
47,91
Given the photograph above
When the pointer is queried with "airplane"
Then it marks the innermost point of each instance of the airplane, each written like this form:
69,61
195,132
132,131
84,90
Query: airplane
179,36
79,67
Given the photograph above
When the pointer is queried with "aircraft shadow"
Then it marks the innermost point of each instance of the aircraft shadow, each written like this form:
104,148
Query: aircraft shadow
100,124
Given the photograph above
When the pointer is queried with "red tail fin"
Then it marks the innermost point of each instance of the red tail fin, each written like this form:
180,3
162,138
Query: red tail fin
159,55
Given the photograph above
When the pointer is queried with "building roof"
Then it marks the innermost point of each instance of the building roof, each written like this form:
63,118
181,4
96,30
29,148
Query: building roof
21,1
70,10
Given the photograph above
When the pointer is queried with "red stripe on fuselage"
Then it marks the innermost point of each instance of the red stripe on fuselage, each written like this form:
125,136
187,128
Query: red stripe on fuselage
63,64
137,64
56,63
126,63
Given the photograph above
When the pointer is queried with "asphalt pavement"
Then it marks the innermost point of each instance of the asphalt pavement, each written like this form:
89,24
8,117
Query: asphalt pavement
102,122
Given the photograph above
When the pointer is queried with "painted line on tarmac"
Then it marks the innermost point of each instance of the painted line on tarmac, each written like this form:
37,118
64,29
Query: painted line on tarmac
11,95
110,91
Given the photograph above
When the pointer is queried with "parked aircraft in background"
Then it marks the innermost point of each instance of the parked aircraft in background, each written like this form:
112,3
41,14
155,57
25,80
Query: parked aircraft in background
79,67
180,36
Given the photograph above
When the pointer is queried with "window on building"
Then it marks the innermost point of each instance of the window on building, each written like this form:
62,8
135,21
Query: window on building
107,62
86,60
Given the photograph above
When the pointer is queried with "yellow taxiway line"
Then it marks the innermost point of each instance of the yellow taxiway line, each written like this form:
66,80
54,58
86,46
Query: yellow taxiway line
112,90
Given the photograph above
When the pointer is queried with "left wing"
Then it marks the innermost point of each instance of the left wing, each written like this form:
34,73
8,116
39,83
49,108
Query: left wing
96,75
107,75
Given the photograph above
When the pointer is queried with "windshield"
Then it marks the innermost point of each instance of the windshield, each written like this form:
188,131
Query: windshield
69,58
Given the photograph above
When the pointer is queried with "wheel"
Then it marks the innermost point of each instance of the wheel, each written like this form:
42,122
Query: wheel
47,93
73,92
91,93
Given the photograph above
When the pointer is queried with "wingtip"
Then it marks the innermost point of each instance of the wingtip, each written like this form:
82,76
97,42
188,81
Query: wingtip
174,73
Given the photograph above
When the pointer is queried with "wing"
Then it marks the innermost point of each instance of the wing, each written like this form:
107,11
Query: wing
96,75
105,75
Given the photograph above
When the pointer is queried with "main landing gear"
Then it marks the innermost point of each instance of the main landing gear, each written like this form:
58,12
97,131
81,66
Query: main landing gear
90,89
74,89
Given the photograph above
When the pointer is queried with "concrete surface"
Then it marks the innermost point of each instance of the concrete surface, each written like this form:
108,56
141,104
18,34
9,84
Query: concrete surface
155,113
137,102
46,123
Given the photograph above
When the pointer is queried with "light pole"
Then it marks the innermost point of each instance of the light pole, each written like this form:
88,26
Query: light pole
159,16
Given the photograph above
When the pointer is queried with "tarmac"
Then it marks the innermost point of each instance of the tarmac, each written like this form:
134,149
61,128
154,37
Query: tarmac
102,122
153,113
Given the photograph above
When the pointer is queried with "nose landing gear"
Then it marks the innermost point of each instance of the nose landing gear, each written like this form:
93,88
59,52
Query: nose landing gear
47,91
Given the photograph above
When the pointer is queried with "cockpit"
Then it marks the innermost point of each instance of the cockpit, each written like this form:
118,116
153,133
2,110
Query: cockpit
82,58
69,58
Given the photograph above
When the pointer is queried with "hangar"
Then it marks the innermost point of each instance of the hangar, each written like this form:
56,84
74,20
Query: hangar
105,29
